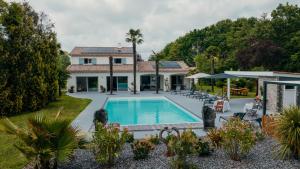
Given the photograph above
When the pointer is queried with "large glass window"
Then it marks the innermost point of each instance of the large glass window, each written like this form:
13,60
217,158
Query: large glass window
177,81
92,84
120,83
87,84
81,84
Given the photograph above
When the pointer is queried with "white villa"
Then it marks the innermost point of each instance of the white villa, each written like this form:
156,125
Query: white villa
89,71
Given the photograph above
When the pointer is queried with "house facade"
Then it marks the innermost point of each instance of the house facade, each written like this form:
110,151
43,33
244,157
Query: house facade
89,71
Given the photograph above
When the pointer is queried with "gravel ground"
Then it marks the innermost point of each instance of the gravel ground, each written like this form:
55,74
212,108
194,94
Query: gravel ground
260,157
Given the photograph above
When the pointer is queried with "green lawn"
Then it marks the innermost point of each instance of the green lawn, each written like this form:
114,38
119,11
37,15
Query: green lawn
10,157
218,91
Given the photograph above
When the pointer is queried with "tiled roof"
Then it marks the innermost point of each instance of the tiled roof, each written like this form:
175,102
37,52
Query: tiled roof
147,66
101,50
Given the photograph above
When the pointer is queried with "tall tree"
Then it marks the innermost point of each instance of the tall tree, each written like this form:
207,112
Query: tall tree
28,59
135,37
63,74
212,52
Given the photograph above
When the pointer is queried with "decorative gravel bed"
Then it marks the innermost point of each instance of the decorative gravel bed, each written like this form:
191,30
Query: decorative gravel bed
261,156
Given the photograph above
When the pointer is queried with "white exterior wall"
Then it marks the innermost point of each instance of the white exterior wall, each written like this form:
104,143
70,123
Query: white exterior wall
102,79
74,61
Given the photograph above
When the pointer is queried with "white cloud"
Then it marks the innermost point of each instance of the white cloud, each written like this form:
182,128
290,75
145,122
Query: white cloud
105,22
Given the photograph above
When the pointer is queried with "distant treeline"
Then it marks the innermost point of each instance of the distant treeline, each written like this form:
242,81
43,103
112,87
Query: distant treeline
271,42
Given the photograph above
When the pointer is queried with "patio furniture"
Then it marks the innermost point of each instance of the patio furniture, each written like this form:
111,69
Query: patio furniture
177,90
239,115
192,92
221,106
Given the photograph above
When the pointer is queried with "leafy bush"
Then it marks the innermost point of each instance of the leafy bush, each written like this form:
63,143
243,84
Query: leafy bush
287,128
107,143
130,138
154,139
167,140
141,149
203,148
183,146
215,137
259,136
237,138
45,141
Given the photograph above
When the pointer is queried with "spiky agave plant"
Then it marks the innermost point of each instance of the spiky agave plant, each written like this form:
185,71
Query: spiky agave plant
45,141
287,127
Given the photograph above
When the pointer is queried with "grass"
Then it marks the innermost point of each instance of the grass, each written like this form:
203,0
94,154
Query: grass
10,157
218,91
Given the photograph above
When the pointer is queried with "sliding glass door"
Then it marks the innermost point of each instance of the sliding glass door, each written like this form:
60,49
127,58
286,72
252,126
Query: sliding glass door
120,83
87,84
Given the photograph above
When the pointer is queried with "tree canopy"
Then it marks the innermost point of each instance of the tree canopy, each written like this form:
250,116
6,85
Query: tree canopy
268,43
28,59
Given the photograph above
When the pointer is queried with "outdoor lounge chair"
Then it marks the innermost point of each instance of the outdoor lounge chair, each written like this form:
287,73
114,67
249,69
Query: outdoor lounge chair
188,94
176,91
239,115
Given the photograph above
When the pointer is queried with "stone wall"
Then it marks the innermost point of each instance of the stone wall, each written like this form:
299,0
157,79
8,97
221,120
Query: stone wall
273,94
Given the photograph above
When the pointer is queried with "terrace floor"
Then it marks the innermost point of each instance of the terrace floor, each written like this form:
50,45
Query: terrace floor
85,119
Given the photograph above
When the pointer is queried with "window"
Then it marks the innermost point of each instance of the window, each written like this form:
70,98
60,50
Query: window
87,61
119,60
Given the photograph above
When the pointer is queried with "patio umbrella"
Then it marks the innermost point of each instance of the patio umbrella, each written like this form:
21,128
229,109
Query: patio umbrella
220,76
197,76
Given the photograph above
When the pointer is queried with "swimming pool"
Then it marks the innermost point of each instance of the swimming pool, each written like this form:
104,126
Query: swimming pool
146,111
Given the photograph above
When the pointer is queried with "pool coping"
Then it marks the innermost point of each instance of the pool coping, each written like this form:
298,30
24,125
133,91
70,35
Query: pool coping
153,127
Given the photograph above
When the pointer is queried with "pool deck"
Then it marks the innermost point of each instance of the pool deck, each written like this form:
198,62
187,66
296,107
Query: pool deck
84,121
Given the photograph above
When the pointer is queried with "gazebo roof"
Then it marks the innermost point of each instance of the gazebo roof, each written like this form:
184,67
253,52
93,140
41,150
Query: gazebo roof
197,76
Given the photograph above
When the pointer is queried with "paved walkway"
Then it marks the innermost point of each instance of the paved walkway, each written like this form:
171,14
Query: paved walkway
85,119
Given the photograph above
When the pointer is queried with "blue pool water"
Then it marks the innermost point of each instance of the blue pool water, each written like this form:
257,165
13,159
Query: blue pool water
146,111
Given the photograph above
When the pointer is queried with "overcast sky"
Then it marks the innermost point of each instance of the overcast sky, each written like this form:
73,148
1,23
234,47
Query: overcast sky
105,22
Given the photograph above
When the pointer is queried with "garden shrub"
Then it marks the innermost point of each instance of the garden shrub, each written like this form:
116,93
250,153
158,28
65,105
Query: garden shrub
167,140
45,142
287,131
259,136
130,138
182,147
215,137
154,139
203,148
141,149
107,143
237,138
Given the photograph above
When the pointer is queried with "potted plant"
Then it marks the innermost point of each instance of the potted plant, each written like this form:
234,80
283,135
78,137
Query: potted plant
71,90
208,116
102,89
